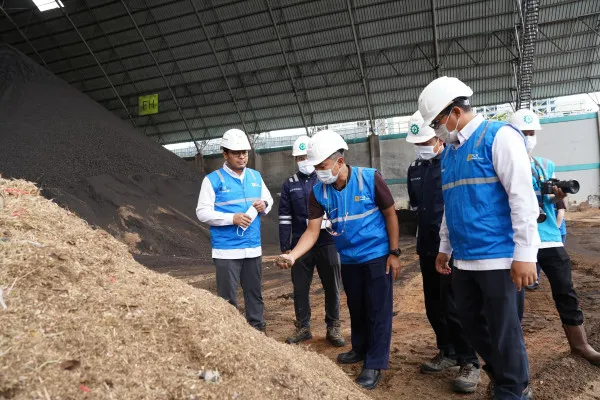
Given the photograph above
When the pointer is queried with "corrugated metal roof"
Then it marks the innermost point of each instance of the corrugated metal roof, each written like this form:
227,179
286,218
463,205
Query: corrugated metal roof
396,44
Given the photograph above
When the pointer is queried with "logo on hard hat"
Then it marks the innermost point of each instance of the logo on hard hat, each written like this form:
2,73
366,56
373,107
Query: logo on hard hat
528,119
302,146
414,129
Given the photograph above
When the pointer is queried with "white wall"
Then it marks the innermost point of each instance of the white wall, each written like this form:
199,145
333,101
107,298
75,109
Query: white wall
573,143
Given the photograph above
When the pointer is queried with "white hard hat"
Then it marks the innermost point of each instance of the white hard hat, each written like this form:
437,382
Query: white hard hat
526,120
322,145
417,132
300,146
235,139
438,95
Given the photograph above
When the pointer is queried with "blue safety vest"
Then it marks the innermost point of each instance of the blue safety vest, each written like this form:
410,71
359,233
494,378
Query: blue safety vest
477,208
541,170
353,211
563,227
233,196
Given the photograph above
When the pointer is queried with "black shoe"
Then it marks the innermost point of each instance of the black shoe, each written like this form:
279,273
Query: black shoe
350,357
368,378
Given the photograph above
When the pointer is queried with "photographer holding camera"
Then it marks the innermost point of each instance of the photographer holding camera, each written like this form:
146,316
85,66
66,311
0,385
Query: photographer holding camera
552,256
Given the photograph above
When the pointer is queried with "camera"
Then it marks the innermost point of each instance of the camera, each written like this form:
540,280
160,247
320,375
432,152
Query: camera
571,186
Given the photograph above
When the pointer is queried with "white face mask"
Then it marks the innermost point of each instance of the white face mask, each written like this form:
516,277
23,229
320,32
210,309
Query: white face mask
530,142
326,176
448,137
305,168
426,152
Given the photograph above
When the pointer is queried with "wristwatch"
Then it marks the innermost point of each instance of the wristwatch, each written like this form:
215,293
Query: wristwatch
395,252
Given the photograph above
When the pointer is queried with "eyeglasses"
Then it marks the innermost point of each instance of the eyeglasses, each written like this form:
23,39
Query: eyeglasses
329,224
438,120
239,153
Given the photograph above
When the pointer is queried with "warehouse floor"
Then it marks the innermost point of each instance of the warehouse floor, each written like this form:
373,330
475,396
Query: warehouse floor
554,374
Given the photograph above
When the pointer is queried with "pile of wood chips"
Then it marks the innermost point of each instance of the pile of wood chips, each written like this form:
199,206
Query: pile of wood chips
80,319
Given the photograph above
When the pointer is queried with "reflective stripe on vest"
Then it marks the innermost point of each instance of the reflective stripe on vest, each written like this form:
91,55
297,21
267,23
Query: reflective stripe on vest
470,181
354,217
224,203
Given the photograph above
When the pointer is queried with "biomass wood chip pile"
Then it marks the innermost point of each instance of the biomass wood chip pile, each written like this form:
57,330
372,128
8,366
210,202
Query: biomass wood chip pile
80,319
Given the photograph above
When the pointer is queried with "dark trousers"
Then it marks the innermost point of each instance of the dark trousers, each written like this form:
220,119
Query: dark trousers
369,292
442,315
487,305
248,272
521,303
556,264
326,259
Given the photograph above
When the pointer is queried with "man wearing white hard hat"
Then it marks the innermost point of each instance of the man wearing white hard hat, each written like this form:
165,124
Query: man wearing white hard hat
363,223
489,227
293,220
424,185
231,201
552,256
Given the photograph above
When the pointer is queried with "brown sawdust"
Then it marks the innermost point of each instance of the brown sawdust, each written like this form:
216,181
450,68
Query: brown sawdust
84,320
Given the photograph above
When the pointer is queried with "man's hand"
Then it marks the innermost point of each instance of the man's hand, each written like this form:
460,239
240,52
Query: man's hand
441,264
393,262
285,261
523,273
558,193
242,220
260,206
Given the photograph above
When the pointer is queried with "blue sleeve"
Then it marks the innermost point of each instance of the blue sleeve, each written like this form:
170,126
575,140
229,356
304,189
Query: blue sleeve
285,218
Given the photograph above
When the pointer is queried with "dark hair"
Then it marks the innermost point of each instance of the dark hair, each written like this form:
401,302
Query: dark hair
463,103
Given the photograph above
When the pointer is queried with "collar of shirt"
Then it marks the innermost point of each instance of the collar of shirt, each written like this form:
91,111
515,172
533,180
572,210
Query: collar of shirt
468,130
232,172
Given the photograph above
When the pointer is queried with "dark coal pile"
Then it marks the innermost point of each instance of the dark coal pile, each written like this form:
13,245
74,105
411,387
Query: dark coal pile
55,135
95,164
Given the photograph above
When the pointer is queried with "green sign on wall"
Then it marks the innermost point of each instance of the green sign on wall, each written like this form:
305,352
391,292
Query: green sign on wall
148,104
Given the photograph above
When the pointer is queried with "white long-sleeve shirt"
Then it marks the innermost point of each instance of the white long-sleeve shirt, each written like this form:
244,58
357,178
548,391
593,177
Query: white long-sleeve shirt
512,165
205,211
